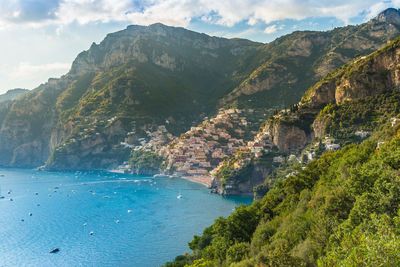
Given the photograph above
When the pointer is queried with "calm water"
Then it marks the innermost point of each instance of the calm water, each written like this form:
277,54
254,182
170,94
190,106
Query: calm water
136,221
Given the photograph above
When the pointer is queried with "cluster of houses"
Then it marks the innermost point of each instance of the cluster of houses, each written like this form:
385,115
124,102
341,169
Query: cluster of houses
202,148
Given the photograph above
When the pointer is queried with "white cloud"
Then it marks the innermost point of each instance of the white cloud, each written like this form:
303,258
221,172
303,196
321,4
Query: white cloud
270,29
27,68
26,74
181,12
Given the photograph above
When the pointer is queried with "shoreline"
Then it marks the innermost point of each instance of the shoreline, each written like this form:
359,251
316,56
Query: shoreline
204,180
200,179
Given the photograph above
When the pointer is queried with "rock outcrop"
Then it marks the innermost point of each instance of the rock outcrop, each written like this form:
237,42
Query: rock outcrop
366,76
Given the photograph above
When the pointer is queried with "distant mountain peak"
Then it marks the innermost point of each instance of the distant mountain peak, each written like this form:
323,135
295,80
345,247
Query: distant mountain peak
12,94
390,15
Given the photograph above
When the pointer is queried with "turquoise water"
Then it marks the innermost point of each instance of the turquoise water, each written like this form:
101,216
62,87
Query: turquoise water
135,220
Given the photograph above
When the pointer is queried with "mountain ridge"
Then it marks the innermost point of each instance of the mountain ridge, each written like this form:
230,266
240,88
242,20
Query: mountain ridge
109,99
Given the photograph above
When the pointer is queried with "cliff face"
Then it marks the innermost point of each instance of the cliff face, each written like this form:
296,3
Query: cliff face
286,137
366,76
26,128
242,187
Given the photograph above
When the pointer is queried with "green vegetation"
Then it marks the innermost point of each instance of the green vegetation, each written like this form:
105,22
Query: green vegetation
341,210
227,172
145,162
367,114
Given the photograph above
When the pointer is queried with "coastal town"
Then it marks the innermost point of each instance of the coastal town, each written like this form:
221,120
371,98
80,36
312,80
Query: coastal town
202,148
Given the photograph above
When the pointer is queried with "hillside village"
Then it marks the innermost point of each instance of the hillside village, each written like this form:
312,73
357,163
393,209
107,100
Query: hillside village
202,148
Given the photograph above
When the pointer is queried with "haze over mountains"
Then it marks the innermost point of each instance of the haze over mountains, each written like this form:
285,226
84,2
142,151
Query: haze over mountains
12,94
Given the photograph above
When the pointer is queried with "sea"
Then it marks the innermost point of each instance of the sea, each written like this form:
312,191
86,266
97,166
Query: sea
101,218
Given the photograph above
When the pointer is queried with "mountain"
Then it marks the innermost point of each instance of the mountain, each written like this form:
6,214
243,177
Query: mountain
12,94
342,208
286,67
6,101
117,91
296,61
146,86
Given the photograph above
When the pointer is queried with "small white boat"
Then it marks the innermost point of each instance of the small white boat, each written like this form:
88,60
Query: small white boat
129,211
179,196
117,221
91,233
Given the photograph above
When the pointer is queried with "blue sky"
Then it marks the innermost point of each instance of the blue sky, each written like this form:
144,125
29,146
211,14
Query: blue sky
41,38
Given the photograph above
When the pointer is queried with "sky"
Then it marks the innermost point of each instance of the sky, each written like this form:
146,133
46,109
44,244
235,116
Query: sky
39,39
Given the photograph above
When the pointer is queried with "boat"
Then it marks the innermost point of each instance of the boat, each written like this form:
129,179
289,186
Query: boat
54,250
1,196
179,196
